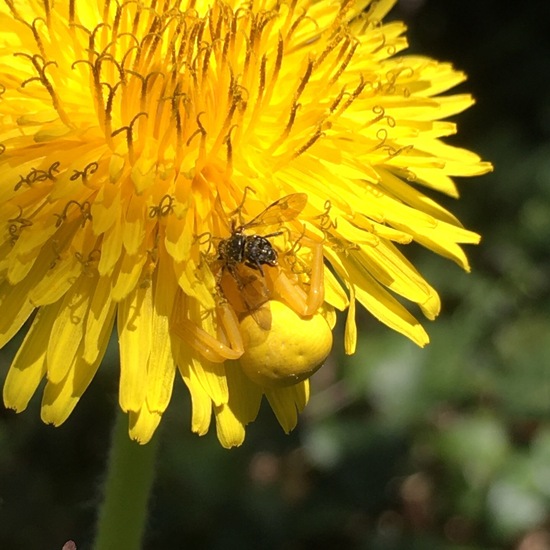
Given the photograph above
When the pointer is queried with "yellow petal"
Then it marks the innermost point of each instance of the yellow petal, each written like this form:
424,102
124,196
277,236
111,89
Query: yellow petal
350,333
288,402
25,250
60,399
245,397
133,230
68,329
200,401
179,236
134,333
242,408
388,310
111,249
15,307
29,365
100,320
379,302
334,293
386,264
142,424
56,281
229,428
161,369
212,378
127,275
106,208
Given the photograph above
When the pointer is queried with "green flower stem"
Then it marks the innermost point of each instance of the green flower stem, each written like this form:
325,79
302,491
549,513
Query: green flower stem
130,476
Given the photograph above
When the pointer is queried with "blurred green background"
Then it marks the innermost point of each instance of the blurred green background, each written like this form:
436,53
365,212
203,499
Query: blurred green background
400,448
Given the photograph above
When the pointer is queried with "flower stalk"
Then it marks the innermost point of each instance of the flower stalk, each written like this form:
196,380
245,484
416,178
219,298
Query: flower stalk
130,476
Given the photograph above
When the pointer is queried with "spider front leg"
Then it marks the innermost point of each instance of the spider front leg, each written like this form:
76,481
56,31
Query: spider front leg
302,302
228,345
228,319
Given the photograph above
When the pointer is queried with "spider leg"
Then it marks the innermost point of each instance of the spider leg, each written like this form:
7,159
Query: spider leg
302,302
228,319
201,341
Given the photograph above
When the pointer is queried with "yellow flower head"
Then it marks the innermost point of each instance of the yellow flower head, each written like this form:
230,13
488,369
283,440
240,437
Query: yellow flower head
187,168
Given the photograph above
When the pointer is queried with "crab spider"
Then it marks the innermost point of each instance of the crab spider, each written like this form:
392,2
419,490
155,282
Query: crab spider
282,283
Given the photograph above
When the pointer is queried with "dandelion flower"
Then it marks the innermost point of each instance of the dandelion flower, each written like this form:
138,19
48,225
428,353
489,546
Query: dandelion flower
138,138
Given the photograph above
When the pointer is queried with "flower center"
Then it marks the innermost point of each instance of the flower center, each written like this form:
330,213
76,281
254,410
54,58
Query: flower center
183,88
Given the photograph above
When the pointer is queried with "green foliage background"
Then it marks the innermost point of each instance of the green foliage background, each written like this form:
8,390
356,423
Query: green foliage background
400,448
